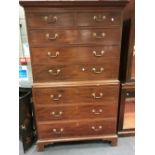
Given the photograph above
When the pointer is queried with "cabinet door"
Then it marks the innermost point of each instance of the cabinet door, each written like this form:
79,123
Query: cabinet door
26,122
129,110
126,123
127,64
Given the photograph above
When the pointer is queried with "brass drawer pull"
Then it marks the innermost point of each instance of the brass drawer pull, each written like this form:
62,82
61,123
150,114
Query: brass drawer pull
54,98
56,114
52,38
50,19
99,18
50,71
97,112
97,97
97,128
98,55
53,56
99,36
112,19
58,131
23,127
98,72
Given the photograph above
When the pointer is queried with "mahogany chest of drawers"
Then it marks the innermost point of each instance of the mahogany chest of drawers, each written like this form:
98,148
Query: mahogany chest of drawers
75,52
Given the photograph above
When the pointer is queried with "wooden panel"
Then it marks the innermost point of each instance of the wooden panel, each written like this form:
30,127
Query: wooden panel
129,114
99,19
72,55
76,95
57,37
76,112
82,128
127,109
43,73
49,20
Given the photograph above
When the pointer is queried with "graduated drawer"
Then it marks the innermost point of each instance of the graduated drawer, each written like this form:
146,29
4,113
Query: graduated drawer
49,19
76,129
76,95
82,36
74,112
102,19
108,69
70,55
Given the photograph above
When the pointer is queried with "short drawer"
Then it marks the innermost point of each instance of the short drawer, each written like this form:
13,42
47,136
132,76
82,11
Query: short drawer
107,70
49,19
74,55
83,36
103,19
76,129
74,112
76,95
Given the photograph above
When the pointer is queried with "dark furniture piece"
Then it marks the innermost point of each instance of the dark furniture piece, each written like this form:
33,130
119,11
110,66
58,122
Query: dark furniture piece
26,119
75,52
126,124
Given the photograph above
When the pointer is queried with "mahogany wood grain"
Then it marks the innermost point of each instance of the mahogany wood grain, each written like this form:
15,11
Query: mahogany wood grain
73,129
74,112
82,36
72,4
75,81
74,55
67,19
76,72
95,83
127,92
102,19
76,95
49,20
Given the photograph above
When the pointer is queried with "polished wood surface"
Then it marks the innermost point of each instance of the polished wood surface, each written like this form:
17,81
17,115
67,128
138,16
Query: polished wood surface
43,73
76,95
103,19
126,124
74,3
78,128
127,67
126,117
75,51
67,19
75,112
50,20
83,36
129,114
75,55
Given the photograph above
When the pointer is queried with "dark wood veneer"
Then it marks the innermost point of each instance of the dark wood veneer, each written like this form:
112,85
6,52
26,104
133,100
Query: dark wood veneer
78,86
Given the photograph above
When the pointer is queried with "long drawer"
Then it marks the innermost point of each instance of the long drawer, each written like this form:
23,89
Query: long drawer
76,95
107,70
76,129
74,55
82,36
75,112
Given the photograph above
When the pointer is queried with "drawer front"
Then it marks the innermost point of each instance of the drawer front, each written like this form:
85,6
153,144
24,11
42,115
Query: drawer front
106,70
76,95
76,129
76,112
76,55
63,37
99,19
49,20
